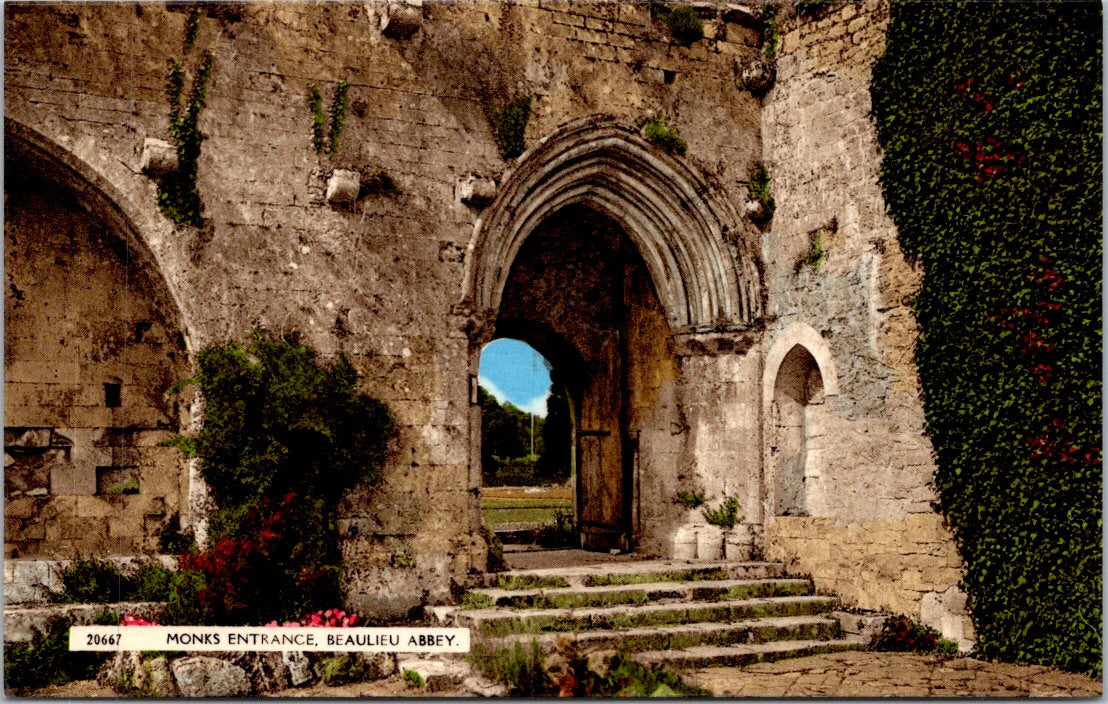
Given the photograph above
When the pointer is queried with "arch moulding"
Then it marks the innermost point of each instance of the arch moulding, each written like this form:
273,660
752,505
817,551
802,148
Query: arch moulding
665,208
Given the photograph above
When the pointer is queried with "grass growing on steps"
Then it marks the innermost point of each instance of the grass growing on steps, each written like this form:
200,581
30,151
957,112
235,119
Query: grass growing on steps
637,618
703,574
529,581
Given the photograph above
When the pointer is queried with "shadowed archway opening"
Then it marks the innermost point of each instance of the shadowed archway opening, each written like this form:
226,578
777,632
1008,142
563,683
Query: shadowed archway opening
797,394
92,344
579,291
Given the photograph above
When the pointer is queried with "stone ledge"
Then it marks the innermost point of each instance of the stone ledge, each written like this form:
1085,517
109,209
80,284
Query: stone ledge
21,624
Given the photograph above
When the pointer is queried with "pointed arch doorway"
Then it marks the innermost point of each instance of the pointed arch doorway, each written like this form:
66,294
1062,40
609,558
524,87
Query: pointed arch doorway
602,252
579,293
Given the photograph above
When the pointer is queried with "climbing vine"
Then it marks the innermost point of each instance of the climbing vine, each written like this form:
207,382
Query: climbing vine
178,198
989,115
327,126
509,123
771,38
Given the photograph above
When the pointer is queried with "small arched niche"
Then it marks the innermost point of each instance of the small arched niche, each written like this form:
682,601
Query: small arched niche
797,395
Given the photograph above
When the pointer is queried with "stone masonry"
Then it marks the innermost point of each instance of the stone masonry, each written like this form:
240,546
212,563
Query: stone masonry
701,353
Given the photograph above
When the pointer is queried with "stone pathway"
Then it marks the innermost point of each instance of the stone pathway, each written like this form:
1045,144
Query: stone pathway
867,674
852,674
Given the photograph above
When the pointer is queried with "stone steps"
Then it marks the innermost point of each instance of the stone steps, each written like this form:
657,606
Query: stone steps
686,614
616,594
739,655
638,572
674,637
501,622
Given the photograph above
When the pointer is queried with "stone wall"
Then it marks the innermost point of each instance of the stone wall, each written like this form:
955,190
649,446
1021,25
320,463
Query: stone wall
870,533
91,352
407,268
380,276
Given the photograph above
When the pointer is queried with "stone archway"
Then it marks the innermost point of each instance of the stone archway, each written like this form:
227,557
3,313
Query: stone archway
618,247
93,341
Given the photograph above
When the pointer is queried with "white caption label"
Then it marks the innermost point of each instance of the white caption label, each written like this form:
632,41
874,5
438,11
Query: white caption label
377,640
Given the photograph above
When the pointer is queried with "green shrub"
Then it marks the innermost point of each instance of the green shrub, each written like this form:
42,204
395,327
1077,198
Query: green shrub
47,660
815,254
343,669
523,672
990,119
414,677
625,678
476,600
561,533
685,25
726,516
495,548
760,189
509,124
690,499
93,582
151,583
183,606
657,131
174,541
283,440
901,634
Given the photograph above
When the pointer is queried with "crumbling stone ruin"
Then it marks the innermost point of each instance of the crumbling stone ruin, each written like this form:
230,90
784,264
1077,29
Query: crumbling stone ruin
729,305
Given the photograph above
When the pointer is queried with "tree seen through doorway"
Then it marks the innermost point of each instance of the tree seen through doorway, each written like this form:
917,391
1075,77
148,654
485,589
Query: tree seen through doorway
519,448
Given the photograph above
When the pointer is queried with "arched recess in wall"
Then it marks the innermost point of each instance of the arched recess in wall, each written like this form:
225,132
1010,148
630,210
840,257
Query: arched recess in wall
798,377
93,341
681,230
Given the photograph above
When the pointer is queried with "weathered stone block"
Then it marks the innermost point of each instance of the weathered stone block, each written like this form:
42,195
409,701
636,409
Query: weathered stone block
158,157
475,190
343,186
201,676
401,20
299,667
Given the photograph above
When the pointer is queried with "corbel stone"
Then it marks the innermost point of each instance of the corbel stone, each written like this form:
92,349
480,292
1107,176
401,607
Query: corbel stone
475,190
401,20
343,186
756,210
757,74
158,157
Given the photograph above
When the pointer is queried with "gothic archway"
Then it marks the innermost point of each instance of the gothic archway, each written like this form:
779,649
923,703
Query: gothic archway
617,247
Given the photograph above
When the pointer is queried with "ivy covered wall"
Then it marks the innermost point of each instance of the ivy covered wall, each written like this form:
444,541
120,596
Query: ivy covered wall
990,117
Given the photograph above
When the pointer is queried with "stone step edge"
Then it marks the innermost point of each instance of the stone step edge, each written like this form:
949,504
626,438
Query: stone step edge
739,655
505,613
548,641
576,576
496,593
21,622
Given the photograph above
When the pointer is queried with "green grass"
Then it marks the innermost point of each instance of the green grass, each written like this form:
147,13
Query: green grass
646,578
525,510
527,581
